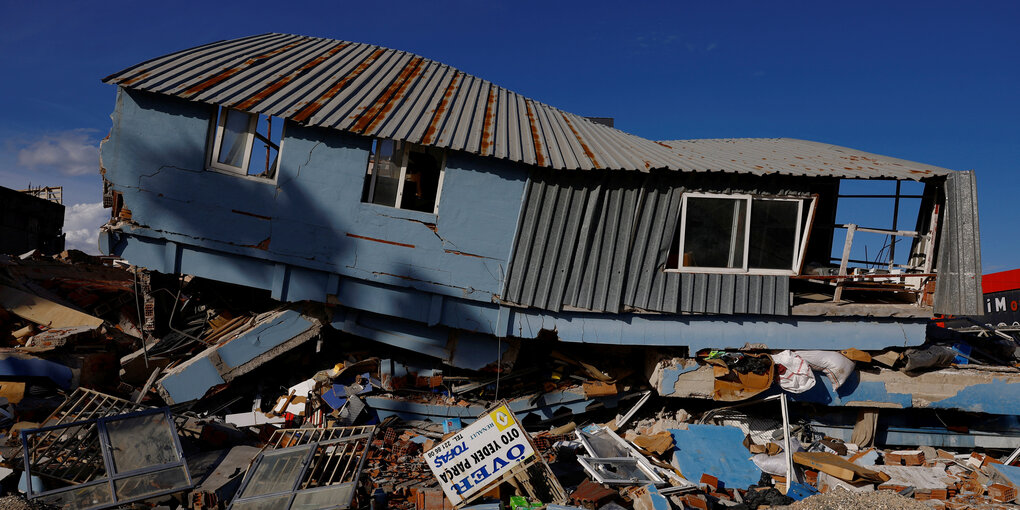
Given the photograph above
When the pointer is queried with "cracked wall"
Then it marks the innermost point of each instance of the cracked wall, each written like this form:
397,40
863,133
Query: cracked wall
310,219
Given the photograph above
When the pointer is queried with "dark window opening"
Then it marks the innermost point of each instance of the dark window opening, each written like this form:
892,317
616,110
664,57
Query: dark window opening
403,175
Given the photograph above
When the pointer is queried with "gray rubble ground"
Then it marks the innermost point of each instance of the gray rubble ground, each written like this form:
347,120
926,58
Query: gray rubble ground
840,499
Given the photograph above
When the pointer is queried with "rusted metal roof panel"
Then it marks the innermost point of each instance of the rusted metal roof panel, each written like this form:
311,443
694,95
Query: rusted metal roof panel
382,92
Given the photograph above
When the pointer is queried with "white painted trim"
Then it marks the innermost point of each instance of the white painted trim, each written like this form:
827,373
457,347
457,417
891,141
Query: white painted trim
801,237
683,234
439,185
404,152
214,163
806,235
798,244
373,159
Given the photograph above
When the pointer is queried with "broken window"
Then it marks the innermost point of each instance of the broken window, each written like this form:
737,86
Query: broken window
306,469
246,143
111,460
83,406
404,175
618,470
742,233
611,460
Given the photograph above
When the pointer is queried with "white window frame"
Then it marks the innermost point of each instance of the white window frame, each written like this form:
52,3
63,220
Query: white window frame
801,236
216,142
405,149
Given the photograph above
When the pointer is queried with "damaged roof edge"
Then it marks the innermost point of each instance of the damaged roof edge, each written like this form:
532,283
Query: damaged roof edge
269,74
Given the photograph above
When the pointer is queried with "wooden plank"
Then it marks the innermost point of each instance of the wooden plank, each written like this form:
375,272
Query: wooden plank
43,311
836,297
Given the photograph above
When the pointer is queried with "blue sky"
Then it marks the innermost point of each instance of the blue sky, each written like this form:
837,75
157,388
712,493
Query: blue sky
934,82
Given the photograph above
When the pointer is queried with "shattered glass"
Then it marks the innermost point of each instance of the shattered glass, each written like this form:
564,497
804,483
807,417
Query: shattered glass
617,470
81,497
604,445
277,472
270,503
140,442
150,483
327,497
139,453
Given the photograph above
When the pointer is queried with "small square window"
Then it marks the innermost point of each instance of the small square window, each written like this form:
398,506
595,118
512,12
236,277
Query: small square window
245,143
404,175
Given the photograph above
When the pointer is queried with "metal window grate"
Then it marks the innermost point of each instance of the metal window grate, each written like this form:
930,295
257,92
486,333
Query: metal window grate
109,461
307,468
72,454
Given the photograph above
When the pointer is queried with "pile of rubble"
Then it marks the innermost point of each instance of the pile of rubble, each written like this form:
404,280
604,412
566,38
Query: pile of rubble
123,387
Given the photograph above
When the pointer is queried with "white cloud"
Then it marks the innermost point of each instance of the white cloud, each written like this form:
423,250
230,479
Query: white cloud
67,152
81,226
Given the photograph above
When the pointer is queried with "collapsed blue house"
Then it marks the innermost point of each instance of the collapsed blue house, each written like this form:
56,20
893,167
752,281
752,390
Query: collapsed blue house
438,212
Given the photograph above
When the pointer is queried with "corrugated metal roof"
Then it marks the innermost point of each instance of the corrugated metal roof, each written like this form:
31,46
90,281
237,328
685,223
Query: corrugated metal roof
602,246
958,286
795,157
375,91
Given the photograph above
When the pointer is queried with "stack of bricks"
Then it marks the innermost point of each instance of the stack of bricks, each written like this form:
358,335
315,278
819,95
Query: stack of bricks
1001,493
544,443
905,458
976,502
396,466
592,495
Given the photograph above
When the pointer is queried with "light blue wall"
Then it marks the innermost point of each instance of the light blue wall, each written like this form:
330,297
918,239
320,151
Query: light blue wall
307,220
443,270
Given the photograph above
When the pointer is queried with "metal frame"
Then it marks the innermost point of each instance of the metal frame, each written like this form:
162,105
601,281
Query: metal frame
313,439
634,454
217,141
111,475
405,151
588,463
801,234
83,407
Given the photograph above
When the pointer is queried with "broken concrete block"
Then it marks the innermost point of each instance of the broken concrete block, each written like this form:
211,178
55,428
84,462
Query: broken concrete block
271,334
1001,493
905,458
647,497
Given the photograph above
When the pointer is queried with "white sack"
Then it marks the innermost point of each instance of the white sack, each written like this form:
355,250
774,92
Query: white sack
771,464
797,376
776,464
834,365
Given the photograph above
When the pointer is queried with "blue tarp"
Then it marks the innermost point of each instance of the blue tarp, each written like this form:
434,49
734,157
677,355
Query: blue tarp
717,451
